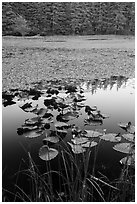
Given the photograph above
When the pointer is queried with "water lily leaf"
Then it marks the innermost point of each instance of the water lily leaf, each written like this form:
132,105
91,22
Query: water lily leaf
51,139
79,140
23,95
52,91
92,133
62,105
70,115
46,153
70,88
30,109
68,100
112,137
60,118
41,112
80,105
88,108
77,149
33,134
124,148
76,130
128,127
60,100
47,120
124,125
7,96
50,102
60,125
8,103
34,92
89,144
33,121
104,116
131,129
129,160
26,128
130,137
47,125
93,122
78,99
61,133
95,115
29,128
26,105
47,115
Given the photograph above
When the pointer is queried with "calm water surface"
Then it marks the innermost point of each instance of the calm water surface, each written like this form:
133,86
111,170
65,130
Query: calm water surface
115,99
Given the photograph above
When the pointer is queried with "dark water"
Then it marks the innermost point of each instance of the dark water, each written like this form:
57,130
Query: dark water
116,98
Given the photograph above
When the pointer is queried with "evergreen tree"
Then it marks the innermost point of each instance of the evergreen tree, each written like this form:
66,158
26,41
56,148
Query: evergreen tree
46,18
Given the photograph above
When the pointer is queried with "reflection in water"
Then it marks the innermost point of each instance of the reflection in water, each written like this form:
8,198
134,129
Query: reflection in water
105,83
114,96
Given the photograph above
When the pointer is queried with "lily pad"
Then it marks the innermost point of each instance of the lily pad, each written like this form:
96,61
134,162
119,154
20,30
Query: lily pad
112,137
51,139
46,153
104,116
25,129
79,140
80,105
128,127
52,91
124,125
60,125
60,118
63,105
92,133
78,99
70,88
33,134
47,120
33,121
129,137
129,160
30,109
131,129
47,115
126,148
88,108
8,103
50,102
89,144
41,112
77,149
26,106
70,115
93,122
61,133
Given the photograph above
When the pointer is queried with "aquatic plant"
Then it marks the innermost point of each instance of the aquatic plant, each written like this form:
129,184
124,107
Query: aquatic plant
46,153
79,184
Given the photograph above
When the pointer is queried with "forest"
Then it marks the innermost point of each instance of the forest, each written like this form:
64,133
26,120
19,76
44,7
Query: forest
68,18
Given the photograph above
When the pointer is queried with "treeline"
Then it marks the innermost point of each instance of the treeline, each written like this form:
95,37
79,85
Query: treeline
68,18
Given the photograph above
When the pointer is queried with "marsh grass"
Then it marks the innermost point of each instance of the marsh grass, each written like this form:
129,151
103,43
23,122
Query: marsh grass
73,181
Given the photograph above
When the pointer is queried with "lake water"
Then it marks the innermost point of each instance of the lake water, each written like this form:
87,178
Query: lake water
115,97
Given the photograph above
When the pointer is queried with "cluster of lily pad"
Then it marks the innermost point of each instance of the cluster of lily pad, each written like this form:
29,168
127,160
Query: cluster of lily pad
127,147
85,139
68,106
